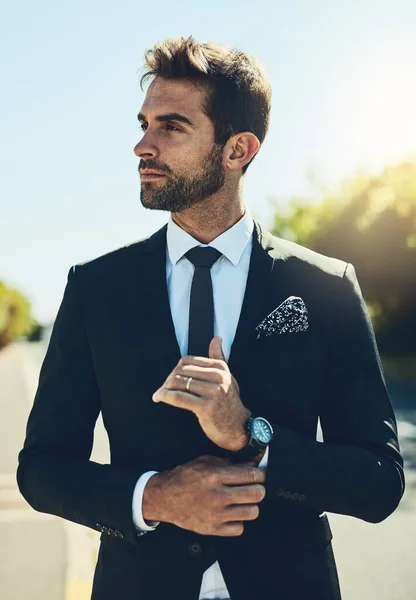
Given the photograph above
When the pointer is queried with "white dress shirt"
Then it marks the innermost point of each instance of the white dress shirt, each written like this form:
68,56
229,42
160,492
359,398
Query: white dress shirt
229,278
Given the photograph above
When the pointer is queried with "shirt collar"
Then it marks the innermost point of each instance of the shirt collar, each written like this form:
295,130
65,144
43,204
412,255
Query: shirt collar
230,243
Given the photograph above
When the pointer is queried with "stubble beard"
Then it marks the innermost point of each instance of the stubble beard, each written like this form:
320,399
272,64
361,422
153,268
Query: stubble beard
183,192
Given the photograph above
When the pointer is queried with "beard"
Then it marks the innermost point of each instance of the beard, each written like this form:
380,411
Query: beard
183,192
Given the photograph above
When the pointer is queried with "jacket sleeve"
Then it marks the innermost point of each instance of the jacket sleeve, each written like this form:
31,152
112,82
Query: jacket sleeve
55,474
358,470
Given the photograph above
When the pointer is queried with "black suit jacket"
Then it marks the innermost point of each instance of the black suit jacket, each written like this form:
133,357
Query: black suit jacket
113,344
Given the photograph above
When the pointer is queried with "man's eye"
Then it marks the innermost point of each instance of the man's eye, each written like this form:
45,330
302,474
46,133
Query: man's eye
169,127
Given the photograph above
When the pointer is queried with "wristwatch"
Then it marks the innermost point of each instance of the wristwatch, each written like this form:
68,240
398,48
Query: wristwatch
260,435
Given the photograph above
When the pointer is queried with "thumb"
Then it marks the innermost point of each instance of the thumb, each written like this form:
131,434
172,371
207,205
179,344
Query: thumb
215,348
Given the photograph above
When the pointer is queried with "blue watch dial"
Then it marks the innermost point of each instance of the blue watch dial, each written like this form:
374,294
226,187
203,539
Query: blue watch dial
262,430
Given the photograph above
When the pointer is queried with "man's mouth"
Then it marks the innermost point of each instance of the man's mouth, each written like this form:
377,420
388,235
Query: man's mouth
150,174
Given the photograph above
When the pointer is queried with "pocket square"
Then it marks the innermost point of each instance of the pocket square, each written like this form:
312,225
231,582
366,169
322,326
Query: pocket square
289,317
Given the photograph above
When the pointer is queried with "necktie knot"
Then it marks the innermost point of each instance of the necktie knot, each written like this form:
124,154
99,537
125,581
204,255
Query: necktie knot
203,257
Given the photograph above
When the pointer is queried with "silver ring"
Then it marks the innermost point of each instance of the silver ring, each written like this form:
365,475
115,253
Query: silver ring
188,383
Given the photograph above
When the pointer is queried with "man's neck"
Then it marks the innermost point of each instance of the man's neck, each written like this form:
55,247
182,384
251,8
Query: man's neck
205,231
205,223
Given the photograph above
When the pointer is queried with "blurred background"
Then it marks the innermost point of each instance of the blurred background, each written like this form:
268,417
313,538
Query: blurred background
337,173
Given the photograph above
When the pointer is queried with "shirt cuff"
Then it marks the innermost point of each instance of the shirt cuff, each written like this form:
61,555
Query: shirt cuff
138,519
264,460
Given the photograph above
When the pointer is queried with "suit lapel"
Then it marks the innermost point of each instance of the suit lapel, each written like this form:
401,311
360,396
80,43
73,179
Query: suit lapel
159,330
265,289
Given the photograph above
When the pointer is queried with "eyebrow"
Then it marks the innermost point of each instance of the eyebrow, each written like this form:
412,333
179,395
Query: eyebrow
168,117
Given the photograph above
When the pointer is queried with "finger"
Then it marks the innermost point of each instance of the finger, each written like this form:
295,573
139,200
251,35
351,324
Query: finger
197,387
215,348
248,512
200,367
208,459
202,373
178,399
203,361
242,474
244,494
230,529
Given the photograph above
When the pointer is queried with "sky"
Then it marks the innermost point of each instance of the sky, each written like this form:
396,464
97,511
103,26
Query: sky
344,98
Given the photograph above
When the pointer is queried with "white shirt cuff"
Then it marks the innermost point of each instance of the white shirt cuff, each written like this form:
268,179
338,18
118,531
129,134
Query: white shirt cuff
138,520
264,460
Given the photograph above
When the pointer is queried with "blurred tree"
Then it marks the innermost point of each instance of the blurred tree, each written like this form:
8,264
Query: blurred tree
15,315
370,222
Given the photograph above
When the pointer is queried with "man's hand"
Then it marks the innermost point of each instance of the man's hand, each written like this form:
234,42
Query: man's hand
214,396
208,495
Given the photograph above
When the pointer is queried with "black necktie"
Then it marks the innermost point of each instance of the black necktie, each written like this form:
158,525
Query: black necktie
201,309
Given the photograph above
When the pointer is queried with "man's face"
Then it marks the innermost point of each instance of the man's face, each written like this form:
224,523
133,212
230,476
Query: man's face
178,142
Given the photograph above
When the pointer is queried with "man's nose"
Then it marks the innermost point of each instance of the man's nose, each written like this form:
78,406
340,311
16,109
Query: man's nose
145,148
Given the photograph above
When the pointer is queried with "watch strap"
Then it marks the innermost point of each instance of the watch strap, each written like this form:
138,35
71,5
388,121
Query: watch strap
245,454
252,449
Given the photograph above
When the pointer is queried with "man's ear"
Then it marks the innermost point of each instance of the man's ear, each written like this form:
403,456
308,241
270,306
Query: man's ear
240,149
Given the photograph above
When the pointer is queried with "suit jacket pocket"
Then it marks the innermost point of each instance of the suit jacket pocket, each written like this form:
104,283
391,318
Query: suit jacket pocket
293,528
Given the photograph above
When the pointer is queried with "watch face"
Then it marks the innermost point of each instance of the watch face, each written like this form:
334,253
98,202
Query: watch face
262,430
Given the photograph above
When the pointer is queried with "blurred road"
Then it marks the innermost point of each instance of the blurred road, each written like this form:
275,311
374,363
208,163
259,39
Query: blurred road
375,562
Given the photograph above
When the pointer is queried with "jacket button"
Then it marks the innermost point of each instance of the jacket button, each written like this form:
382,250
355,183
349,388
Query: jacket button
195,548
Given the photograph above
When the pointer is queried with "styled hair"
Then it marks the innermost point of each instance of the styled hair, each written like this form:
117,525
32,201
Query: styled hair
237,90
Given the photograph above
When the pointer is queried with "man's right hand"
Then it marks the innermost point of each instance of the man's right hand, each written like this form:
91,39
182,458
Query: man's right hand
208,495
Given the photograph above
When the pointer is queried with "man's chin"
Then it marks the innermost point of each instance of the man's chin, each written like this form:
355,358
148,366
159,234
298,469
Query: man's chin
147,203
151,202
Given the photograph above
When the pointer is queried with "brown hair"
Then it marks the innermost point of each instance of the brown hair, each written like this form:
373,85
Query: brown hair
238,92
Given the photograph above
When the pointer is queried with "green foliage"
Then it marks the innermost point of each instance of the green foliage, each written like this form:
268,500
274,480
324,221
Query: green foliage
15,315
370,222
403,368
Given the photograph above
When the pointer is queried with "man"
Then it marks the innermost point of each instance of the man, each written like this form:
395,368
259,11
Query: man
211,349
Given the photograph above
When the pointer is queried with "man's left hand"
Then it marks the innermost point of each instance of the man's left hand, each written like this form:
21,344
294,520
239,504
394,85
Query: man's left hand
214,396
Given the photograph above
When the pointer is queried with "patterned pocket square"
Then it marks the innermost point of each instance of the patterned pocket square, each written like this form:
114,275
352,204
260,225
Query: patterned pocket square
289,317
